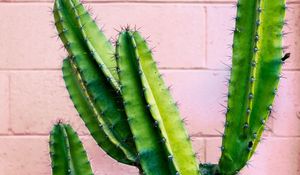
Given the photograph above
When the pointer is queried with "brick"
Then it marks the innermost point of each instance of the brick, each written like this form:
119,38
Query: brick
213,151
178,30
276,156
38,100
103,164
219,36
199,147
199,94
4,103
287,111
24,155
26,37
39,50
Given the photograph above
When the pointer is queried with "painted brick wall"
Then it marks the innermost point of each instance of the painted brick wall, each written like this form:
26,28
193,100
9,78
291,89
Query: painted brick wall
191,39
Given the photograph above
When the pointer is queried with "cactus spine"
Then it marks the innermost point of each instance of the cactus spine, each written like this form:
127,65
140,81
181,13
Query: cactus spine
123,101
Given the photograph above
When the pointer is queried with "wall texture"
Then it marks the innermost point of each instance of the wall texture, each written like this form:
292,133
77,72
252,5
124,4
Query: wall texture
192,39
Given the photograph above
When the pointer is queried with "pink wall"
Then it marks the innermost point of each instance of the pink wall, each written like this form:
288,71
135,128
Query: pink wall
191,39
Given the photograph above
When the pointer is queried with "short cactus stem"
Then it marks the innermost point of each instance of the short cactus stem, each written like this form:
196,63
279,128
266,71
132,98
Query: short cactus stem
67,153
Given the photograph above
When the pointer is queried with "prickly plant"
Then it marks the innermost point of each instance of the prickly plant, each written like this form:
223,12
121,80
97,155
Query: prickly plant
123,101
255,73
67,153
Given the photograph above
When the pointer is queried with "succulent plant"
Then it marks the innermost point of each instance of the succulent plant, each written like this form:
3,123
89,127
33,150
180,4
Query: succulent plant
122,99
255,73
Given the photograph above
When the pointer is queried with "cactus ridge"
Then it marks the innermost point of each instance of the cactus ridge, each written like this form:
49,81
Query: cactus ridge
150,152
89,114
94,40
164,110
106,99
269,66
101,49
253,83
243,64
67,153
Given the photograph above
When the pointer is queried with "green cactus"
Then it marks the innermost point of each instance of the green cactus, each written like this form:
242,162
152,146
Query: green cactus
123,101
67,153
256,66
91,83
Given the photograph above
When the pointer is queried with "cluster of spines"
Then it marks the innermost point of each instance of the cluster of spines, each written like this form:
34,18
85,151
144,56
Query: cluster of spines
257,54
96,84
67,153
156,100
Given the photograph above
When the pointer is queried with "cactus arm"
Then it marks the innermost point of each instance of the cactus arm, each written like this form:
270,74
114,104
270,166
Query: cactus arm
58,153
67,153
96,43
106,99
253,81
89,114
165,112
268,67
150,152
234,145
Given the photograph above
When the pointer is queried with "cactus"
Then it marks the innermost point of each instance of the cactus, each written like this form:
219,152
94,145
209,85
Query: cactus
67,153
256,66
129,111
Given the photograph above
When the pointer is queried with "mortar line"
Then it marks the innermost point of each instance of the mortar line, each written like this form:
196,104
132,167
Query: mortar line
129,2
205,151
205,137
160,68
205,37
9,105
134,1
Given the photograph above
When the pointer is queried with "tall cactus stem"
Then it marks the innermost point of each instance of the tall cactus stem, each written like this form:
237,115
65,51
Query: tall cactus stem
106,99
150,152
256,61
164,110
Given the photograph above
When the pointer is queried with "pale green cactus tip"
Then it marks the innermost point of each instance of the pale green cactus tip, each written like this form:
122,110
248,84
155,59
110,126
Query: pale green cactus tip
123,101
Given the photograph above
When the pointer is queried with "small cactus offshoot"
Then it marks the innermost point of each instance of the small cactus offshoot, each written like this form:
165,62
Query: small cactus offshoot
127,108
67,153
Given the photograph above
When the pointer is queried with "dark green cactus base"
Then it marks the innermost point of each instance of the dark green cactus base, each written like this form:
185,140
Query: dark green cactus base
209,169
